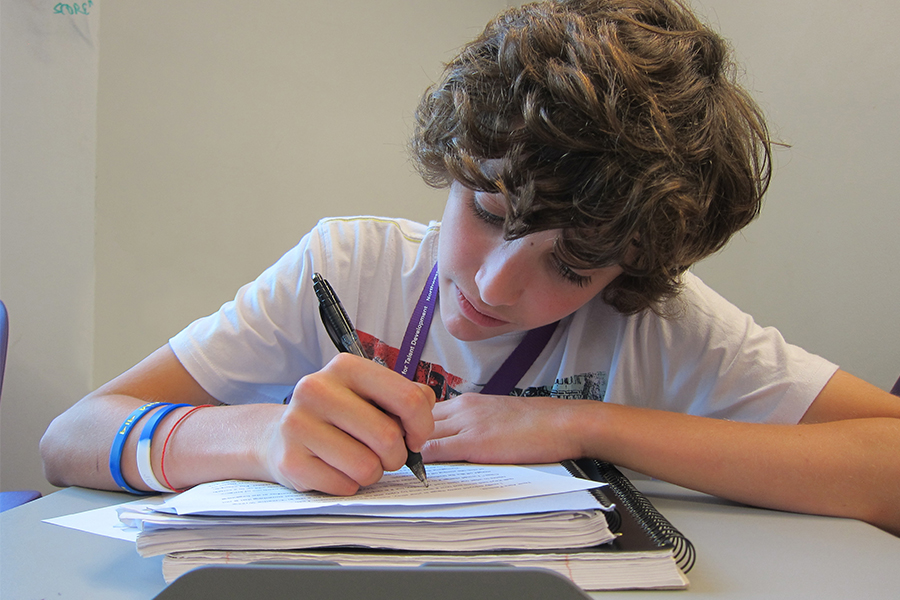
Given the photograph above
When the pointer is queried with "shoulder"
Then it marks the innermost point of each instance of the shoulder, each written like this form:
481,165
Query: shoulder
699,298
365,244
370,227
698,312
749,371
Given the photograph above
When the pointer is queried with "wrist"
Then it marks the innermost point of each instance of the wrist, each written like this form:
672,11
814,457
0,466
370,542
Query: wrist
582,426
266,446
217,443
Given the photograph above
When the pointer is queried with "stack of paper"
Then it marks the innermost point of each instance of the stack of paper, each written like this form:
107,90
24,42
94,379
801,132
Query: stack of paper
543,531
516,509
469,514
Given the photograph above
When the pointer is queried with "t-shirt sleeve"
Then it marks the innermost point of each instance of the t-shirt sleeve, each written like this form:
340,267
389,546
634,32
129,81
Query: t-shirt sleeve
711,359
257,346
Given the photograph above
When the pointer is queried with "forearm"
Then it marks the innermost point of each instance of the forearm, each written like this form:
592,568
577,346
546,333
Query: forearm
216,443
802,468
213,443
331,437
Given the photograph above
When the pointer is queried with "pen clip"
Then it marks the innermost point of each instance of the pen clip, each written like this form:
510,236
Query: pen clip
335,319
329,329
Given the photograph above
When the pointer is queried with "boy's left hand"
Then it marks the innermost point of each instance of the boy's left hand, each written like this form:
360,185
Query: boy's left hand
502,429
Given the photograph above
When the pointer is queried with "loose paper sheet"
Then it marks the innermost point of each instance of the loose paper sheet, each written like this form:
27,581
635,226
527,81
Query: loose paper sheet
105,520
448,484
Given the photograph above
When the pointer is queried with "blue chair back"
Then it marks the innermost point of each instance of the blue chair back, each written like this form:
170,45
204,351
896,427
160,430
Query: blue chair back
13,498
4,342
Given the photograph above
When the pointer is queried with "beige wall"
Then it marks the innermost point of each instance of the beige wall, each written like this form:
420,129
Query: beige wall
225,129
48,118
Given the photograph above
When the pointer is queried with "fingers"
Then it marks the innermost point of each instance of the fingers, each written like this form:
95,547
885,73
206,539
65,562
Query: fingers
500,429
348,423
312,455
418,422
320,476
450,441
409,401
343,429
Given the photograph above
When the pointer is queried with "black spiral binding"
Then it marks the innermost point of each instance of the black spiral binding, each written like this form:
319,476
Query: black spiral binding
650,520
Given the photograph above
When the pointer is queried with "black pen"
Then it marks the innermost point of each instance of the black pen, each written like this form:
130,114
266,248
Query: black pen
344,336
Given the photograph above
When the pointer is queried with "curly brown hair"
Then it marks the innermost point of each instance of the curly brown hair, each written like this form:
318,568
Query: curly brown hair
619,122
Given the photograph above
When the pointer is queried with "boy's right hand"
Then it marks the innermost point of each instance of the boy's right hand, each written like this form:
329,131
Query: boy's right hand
346,424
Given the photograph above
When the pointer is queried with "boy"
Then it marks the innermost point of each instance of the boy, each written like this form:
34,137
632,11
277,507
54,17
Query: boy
593,151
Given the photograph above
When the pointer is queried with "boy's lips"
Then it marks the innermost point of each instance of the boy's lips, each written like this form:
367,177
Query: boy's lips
475,315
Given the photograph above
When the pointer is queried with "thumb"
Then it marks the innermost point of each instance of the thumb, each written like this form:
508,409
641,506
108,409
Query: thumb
440,450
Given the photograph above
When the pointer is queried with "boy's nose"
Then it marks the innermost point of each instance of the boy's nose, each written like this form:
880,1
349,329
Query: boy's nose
503,275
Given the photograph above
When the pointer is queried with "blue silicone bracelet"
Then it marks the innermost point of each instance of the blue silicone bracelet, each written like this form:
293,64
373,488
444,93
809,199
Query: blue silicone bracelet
118,445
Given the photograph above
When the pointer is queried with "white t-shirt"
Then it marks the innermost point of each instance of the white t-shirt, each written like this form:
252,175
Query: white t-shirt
710,360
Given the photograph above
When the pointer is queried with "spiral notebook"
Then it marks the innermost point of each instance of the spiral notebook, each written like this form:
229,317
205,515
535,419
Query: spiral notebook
637,523
646,551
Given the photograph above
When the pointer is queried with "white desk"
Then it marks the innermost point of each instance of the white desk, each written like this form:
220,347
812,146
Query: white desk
742,552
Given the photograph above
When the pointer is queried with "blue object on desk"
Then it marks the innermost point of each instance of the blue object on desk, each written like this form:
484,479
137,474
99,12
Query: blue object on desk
334,582
16,498
13,498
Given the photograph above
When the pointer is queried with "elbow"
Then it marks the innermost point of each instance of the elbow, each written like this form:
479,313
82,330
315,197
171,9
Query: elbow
874,496
880,502
887,520
893,527
52,456
885,513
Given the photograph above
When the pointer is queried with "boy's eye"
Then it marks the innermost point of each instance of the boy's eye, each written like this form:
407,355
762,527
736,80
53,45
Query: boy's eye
485,215
566,272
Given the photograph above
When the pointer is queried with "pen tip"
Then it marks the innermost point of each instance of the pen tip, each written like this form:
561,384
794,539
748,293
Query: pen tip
417,467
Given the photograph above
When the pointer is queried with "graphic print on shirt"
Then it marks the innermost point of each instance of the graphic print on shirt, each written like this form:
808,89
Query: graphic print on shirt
588,386
444,384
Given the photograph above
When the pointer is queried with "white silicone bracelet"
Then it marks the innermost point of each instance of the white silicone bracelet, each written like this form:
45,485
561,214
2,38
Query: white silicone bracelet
143,449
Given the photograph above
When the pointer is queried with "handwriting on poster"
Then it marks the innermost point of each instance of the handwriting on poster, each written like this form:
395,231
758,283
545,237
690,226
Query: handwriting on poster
73,8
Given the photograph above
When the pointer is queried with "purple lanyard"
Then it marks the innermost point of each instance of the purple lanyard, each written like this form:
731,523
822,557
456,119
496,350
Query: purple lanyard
509,373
